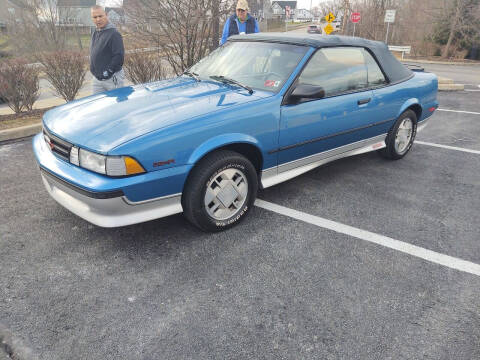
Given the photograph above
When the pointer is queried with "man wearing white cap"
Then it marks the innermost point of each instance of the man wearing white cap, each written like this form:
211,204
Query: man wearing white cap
240,23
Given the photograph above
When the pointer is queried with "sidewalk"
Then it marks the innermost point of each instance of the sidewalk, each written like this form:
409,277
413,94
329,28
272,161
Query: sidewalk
46,103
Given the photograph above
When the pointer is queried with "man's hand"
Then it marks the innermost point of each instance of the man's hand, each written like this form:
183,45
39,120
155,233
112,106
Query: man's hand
107,74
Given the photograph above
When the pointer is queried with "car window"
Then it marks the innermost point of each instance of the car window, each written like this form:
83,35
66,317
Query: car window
375,75
337,70
260,65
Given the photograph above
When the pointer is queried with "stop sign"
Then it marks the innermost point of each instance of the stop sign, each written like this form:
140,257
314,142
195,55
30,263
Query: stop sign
355,17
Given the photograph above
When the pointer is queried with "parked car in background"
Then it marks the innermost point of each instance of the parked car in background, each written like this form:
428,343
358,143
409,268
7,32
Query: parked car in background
314,29
262,109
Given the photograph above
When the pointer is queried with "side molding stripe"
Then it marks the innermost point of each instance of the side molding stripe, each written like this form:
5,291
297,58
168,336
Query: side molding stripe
328,136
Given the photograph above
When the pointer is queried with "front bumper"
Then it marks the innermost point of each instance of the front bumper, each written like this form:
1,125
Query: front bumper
109,212
109,202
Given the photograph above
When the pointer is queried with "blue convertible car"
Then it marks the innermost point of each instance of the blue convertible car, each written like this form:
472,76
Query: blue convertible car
257,111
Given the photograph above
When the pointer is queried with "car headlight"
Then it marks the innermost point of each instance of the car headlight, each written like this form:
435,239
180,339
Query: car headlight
92,161
107,165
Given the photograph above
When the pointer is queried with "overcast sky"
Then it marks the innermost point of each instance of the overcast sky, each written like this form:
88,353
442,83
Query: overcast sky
301,4
305,4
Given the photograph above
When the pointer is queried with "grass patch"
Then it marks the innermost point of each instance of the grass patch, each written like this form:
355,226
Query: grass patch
22,119
3,39
4,44
72,41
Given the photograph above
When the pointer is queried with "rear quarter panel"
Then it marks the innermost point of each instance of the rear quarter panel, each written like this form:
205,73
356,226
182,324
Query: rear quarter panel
421,89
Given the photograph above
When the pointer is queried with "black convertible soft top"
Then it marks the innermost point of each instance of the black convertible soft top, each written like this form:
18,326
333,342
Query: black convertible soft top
394,70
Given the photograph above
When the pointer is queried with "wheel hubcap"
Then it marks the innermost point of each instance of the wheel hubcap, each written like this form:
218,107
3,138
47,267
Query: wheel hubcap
226,193
404,135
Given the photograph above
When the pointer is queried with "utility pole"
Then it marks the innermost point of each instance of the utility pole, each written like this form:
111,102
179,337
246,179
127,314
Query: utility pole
346,8
311,10
215,25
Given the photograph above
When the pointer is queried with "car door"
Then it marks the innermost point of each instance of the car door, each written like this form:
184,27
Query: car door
345,117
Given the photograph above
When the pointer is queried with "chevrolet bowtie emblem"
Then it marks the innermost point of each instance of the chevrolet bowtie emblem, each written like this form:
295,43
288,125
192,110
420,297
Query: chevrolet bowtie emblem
49,142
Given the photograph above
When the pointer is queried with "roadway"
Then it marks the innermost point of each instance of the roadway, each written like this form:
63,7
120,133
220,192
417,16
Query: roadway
363,258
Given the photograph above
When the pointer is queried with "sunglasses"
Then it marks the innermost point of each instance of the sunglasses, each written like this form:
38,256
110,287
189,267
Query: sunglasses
241,10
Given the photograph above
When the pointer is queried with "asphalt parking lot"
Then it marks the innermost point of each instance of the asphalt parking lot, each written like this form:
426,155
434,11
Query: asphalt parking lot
363,258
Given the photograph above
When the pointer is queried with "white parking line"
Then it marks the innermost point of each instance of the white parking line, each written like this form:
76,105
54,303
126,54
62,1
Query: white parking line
425,254
448,147
459,111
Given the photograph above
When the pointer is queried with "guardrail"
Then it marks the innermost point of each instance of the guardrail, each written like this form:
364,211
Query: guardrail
402,49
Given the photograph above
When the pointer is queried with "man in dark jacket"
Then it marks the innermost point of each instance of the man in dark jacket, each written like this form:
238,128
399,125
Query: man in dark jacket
240,23
106,53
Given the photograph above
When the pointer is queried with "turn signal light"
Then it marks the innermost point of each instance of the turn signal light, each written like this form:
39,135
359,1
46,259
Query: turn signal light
132,166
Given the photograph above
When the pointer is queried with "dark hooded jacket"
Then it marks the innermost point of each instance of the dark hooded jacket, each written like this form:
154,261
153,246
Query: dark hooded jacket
106,51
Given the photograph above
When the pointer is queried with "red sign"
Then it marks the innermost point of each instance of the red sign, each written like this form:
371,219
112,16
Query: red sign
355,17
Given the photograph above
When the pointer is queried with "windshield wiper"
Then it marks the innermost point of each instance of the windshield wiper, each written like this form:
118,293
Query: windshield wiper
192,74
226,80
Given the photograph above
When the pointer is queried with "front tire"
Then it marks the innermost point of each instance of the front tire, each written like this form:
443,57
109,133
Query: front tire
220,191
400,138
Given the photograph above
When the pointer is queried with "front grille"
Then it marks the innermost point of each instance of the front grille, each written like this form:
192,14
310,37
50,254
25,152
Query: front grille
59,147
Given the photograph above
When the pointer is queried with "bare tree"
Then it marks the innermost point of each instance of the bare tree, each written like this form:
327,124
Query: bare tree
38,27
18,84
333,6
141,67
183,30
65,70
425,25
346,10
464,23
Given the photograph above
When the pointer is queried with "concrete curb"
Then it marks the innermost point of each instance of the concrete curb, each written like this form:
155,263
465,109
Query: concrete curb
20,132
451,87
439,62
444,80
446,84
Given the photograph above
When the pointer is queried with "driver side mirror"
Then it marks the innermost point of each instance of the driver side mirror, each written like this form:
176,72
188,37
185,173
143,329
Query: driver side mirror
305,92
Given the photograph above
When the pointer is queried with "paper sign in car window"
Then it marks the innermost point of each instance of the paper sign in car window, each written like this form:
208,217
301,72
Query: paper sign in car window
271,83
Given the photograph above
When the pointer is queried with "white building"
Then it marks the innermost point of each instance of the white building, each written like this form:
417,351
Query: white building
282,9
75,12
304,15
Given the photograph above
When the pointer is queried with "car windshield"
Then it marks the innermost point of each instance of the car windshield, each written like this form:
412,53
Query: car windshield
258,65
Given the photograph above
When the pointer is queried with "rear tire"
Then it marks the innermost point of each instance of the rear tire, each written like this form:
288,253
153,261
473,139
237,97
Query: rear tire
400,138
220,191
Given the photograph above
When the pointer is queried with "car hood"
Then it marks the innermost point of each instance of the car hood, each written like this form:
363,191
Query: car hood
103,121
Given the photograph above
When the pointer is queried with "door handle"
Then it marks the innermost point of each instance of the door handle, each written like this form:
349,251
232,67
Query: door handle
364,101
